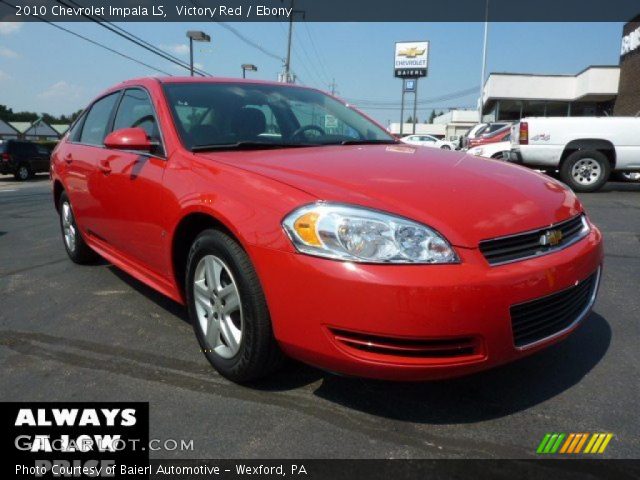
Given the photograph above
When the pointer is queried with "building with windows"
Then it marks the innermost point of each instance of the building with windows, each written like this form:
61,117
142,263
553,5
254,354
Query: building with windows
511,96
595,91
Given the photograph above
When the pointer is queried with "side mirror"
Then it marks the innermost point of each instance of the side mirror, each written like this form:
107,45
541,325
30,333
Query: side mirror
129,139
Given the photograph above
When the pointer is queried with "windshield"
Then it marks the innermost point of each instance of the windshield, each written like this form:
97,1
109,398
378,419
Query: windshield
215,115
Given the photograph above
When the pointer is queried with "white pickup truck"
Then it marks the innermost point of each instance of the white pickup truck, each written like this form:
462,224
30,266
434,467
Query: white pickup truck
585,150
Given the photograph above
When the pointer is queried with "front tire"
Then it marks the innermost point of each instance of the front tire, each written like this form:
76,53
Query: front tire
74,244
585,170
228,309
445,147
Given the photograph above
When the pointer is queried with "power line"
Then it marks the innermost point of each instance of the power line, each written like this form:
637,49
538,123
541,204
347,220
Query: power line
244,38
94,42
316,73
425,101
316,51
126,35
129,34
421,109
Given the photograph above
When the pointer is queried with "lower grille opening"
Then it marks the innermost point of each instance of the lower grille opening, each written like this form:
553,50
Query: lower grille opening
544,317
403,347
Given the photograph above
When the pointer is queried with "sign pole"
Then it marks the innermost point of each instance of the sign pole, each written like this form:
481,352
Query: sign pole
411,61
415,106
402,109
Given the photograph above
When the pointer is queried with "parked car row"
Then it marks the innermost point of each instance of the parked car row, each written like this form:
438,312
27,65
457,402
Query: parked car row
23,159
586,151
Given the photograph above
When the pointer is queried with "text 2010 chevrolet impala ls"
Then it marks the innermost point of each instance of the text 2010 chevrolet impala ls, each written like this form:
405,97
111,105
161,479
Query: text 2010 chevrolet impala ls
290,223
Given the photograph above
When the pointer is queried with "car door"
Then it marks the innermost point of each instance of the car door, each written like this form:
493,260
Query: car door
80,157
131,189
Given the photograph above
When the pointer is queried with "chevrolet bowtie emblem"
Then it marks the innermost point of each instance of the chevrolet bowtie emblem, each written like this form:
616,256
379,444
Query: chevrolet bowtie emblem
551,238
411,52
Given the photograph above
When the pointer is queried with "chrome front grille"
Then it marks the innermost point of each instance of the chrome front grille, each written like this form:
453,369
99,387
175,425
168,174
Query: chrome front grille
535,242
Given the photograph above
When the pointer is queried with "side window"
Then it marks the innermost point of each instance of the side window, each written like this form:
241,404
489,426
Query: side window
135,110
74,132
30,149
95,126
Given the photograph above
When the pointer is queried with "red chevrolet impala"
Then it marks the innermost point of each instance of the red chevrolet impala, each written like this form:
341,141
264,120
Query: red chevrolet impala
291,224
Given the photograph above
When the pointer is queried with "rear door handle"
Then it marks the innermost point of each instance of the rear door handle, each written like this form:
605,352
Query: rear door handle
104,167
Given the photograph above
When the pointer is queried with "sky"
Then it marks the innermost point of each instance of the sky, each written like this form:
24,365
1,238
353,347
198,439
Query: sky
44,69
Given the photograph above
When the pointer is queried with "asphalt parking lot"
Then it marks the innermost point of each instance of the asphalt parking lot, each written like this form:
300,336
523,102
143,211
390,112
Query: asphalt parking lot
92,333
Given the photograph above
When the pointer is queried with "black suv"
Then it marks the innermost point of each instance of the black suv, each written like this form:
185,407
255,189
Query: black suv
23,159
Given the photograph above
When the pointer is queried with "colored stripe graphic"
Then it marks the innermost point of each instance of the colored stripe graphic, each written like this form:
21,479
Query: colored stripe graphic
573,443
543,443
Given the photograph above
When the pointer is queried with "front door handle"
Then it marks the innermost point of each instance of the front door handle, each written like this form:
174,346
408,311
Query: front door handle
68,158
104,167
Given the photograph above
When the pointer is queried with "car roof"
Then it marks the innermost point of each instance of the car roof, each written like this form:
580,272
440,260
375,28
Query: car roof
183,79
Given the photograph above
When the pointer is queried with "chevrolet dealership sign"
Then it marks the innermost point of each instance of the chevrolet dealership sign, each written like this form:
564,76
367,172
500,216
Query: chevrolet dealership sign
411,59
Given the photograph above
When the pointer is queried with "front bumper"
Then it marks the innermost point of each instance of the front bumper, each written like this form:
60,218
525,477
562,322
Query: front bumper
417,309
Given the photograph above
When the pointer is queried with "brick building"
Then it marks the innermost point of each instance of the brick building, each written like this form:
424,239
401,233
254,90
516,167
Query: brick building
628,100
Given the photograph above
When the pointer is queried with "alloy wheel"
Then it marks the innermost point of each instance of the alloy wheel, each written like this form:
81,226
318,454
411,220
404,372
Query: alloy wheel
23,172
586,171
68,227
218,306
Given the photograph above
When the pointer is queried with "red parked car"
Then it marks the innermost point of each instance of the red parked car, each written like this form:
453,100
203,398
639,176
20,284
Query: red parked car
501,135
289,223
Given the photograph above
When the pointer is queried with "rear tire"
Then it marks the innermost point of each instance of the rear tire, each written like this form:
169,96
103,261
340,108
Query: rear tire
23,172
585,170
228,310
78,251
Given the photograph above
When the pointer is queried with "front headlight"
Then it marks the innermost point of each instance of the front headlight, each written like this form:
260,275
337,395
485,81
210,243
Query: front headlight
361,235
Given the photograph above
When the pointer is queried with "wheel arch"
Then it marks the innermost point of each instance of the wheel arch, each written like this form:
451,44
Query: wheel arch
596,144
58,188
185,233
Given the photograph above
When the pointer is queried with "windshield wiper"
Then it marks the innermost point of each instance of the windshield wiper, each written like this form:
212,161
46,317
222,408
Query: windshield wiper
369,142
246,145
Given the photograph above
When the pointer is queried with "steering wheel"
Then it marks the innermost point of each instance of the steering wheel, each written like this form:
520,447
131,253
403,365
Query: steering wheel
307,128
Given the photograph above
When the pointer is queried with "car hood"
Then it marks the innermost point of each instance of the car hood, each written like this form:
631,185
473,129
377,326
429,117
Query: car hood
466,198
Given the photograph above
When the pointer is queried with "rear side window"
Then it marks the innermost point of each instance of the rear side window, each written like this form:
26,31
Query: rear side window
135,110
74,132
95,125
24,148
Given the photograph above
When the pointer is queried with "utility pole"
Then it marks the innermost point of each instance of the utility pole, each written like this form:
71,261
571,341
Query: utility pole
286,75
287,63
484,59
332,87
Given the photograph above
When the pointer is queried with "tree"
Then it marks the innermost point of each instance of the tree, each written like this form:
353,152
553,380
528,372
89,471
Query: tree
8,115
409,119
5,113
